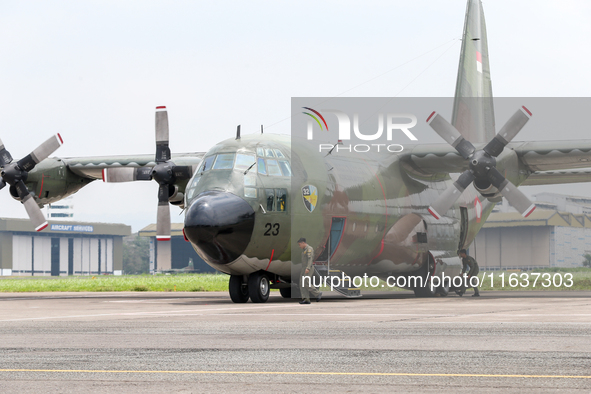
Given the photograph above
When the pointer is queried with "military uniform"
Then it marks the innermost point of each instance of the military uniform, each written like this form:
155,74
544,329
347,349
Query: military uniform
469,264
307,260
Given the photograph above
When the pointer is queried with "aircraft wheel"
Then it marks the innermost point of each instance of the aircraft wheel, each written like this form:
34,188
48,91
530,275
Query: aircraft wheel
426,291
259,287
238,289
443,289
285,292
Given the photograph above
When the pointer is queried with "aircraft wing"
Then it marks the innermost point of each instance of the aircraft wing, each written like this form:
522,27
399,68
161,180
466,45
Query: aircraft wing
548,161
558,177
554,155
92,167
431,159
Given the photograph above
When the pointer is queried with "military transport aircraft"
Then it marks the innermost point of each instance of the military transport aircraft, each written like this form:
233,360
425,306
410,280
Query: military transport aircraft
243,198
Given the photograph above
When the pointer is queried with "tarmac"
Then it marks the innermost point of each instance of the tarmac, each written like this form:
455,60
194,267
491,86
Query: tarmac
510,342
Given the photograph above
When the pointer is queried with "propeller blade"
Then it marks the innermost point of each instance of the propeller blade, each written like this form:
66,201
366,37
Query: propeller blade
162,149
182,173
42,152
508,132
450,134
514,196
5,157
164,256
127,174
163,219
2,183
31,206
451,195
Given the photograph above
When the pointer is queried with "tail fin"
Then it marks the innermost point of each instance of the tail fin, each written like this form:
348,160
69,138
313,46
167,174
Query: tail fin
473,112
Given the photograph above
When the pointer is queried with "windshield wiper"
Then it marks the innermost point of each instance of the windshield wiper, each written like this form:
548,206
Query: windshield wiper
248,169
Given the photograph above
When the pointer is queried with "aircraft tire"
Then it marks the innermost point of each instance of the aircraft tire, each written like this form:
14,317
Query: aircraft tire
426,290
238,292
443,290
285,292
259,287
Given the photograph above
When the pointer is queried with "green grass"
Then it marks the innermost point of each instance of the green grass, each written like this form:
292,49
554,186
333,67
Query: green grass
180,282
219,282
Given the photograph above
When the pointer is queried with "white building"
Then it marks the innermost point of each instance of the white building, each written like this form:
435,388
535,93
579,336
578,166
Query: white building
62,210
64,248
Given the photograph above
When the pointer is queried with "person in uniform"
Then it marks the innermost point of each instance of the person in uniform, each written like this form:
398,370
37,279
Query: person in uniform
307,270
470,265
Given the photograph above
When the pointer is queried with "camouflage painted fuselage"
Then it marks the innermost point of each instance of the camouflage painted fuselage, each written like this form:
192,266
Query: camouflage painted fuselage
387,229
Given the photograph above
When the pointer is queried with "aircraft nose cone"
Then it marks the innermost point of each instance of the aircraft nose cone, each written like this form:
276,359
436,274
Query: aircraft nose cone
220,225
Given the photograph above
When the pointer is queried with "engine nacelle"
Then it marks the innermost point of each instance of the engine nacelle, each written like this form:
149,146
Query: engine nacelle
13,193
51,181
176,197
487,190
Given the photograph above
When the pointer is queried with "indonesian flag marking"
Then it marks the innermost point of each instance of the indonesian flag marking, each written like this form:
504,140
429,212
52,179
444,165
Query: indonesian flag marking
479,62
478,209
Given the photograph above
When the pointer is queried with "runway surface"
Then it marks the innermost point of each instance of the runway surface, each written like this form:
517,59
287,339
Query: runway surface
526,342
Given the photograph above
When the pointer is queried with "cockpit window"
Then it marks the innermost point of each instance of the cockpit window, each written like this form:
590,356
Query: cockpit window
206,166
269,152
261,167
285,168
192,186
224,161
281,195
273,168
243,162
278,153
260,152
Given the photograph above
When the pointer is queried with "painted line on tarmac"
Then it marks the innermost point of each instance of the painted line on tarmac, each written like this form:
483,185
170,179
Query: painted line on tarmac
154,313
445,375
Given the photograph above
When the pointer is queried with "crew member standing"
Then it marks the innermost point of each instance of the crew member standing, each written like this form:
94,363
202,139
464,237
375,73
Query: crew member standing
307,271
468,264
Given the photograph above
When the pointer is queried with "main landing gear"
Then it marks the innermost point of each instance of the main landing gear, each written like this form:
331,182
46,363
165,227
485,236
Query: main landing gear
256,287
427,290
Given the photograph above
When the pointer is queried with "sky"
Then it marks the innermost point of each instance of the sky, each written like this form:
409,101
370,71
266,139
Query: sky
94,71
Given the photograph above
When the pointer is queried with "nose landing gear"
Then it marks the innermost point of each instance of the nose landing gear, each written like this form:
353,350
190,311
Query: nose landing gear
257,287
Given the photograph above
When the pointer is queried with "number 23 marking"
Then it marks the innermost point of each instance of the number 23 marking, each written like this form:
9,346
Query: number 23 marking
272,229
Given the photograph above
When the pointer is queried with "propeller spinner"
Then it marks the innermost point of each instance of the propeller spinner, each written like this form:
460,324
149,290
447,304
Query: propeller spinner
482,167
165,173
15,174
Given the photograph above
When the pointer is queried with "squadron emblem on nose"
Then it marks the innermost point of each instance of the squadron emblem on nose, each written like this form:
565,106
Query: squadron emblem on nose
310,194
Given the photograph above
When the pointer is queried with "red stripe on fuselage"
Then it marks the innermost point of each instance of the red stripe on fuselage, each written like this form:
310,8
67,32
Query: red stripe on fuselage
271,259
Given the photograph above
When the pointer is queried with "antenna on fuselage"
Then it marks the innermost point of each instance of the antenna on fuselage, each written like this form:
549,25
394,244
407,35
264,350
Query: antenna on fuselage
261,129
238,132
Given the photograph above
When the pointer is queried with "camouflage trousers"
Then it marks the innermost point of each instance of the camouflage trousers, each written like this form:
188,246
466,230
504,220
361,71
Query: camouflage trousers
306,287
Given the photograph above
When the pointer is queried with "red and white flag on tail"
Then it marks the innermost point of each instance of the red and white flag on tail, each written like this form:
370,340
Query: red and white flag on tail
478,61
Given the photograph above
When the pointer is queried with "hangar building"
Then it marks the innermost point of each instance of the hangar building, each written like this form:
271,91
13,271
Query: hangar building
556,234
181,250
64,248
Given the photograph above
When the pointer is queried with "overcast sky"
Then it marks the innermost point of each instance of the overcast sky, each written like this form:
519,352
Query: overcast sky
95,70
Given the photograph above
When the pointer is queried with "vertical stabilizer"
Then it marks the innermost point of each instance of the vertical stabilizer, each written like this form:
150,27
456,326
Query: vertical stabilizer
473,112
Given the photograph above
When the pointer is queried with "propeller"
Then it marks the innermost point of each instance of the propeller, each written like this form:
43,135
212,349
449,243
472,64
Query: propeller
15,174
482,168
165,173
